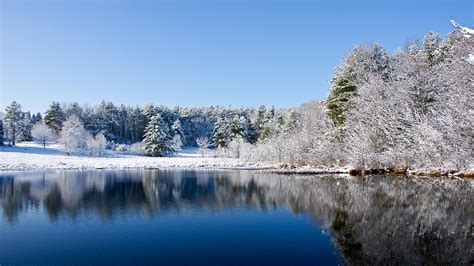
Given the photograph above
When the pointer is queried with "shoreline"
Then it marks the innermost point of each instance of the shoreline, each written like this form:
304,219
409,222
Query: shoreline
30,158
248,166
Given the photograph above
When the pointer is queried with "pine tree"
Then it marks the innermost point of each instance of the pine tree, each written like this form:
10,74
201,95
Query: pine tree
13,119
150,111
35,118
267,127
261,115
156,137
280,123
361,63
24,128
55,117
176,129
245,127
267,131
235,130
292,123
221,136
339,100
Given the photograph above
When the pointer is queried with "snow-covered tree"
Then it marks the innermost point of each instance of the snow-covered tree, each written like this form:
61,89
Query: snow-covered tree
176,143
203,145
55,117
236,128
73,136
156,137
267,130
178,135
137,148
354,71
150,111
35,118
96,144
292,123
2,133
42,134
24,127
467,33
13,119
222,132
235,147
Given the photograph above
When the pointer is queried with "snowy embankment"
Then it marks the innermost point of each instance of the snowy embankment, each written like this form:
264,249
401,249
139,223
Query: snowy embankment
29,156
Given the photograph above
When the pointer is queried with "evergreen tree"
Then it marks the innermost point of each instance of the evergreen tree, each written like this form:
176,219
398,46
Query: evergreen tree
13,119
176,129
339,100
107,118
156,137
55,117
267,131
292,123
35,118
236,130
358,66
24,128
221,136
261,116
280,123
267,128
246,129
150,111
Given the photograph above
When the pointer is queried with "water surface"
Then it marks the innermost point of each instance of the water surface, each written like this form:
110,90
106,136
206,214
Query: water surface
231,217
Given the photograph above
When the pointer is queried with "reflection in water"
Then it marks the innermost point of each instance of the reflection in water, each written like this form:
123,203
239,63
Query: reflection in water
374,220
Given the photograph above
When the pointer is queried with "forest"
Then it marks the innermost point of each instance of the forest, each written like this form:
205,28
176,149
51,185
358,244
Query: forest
410,109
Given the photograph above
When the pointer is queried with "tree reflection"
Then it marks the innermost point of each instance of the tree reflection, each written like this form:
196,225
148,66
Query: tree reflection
374,220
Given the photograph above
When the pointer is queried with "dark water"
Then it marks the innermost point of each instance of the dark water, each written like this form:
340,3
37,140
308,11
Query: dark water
232,217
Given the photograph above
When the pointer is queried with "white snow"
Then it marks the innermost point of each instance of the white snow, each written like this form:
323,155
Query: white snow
193,152
470,59
31,156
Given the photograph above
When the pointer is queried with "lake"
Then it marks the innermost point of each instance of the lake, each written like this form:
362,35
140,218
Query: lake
232,217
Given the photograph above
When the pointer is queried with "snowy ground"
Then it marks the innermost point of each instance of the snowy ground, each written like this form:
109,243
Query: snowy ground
31,156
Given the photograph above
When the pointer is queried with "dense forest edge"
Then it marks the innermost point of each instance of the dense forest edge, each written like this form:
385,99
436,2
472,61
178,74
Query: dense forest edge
406,111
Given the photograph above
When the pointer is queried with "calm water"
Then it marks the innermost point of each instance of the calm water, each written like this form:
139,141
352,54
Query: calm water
231,217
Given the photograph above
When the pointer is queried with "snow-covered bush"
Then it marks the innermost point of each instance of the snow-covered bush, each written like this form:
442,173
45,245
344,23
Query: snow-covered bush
42,134
96,144
122,148
203,145
137,148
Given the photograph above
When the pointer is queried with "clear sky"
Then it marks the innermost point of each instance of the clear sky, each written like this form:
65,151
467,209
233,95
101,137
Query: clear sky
197,53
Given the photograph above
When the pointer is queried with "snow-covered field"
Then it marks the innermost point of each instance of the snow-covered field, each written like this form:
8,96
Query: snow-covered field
31,156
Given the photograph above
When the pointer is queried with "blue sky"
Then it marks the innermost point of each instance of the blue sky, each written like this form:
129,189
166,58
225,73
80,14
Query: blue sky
197,53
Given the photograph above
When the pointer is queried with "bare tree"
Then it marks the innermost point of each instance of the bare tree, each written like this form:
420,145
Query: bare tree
203,145
41,133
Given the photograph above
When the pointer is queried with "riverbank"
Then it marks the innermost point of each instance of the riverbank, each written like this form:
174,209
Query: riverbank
28,156
24,161
306,170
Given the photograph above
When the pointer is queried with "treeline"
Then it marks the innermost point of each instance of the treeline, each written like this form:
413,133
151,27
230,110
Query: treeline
411,109
162,130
